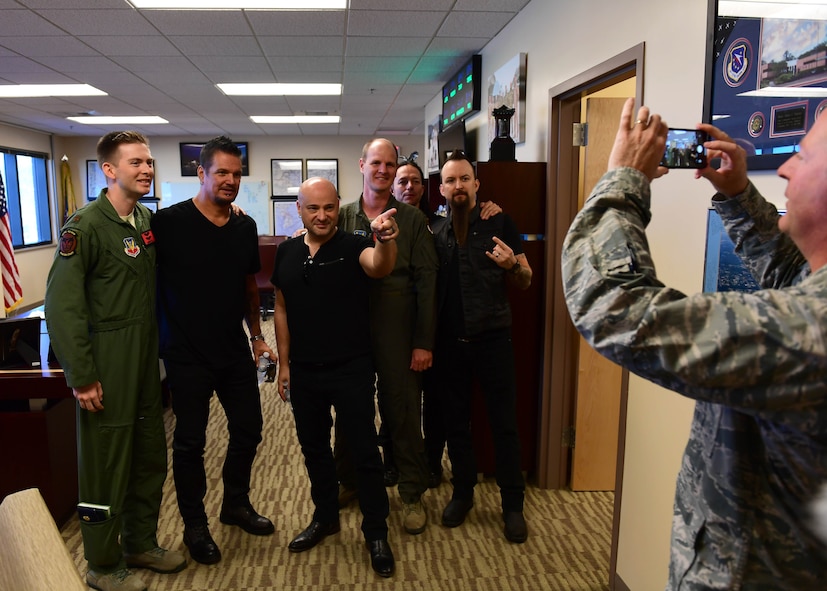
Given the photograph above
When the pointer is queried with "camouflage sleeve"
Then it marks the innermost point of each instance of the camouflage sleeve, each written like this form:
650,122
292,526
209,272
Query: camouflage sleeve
760,352
752,224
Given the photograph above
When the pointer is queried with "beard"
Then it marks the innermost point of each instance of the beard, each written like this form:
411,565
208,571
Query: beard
460,208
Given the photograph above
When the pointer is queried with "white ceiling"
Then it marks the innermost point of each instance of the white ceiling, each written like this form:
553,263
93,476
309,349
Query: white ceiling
392,59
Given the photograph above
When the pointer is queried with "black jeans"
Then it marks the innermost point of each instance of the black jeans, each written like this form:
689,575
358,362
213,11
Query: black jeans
348,387
192,388
489,359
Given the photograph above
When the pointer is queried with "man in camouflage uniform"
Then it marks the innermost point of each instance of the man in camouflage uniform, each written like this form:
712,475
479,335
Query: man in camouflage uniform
756,363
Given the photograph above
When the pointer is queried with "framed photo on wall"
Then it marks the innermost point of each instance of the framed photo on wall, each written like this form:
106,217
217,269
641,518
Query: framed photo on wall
766,75
326,168
507,87
285,176
286,218
96,180
190,153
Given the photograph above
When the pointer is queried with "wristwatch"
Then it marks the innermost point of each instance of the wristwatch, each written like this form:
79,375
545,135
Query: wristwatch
258,337
516,268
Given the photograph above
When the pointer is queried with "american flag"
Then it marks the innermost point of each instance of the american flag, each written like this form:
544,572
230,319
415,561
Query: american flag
12,292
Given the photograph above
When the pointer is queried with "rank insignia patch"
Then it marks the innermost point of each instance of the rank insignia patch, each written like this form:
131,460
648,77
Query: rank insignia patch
68,243
148,237
131,247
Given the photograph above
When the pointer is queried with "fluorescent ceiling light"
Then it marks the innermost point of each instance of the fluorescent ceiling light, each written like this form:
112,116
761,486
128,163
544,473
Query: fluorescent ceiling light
150,120
295,118
280,89
242,4
39,90
787,92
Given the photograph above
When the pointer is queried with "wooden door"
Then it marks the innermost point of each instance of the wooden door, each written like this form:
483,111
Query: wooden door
597,404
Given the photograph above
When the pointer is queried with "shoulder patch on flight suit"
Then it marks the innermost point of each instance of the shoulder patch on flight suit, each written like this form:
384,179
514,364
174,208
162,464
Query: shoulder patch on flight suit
361,233
68,243
131,247
148,237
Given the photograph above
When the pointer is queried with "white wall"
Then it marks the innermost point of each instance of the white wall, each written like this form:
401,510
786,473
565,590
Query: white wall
563,39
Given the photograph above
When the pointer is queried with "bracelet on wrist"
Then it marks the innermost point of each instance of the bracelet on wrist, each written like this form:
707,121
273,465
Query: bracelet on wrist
258,337
515,269
379,238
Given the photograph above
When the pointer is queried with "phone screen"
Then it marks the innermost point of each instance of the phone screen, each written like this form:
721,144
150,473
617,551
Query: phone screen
684,149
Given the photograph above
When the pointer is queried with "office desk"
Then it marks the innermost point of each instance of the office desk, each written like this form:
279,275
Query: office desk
38,447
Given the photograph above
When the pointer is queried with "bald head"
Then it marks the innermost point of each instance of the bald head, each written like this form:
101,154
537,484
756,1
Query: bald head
318,205
317,186
379,141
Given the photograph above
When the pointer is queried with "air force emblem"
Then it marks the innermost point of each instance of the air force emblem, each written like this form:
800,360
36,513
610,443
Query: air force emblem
737,62
131,247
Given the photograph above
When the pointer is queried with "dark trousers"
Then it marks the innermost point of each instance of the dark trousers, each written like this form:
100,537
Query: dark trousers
491,361
348,388
399,391
192,388
433,425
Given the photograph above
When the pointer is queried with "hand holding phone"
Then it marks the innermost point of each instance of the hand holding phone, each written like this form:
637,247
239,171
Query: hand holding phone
684,149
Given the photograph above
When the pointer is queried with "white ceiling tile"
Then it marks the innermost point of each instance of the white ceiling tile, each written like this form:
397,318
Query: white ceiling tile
475,24
93,22
298,24
198,22
135,46
23,23
302,46
367,22
40,46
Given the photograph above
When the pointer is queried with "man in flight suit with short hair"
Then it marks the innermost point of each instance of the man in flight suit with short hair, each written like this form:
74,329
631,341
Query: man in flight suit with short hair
100,310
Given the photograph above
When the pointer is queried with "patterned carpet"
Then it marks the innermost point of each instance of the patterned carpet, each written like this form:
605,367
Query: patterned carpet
567,549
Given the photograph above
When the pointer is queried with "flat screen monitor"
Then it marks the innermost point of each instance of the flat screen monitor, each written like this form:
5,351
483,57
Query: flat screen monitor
19,343
461,94
452,138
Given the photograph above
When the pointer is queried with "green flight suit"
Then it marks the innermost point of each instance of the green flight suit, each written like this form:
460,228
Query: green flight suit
100,311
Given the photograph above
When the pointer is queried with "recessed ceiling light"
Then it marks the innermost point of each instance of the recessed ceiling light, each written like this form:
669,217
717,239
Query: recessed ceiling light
269,89
142,120
295,118
241,4
39,90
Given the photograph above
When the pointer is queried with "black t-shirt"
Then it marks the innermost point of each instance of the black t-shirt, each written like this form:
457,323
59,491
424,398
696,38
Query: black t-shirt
202,277
326,297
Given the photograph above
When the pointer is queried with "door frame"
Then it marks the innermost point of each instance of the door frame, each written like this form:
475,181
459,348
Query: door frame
561,338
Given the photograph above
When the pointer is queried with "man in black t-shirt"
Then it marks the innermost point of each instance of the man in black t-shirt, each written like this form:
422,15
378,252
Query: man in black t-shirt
207,260
322,281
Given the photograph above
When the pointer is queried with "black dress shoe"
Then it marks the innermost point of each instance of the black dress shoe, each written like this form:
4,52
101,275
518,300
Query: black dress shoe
315,533
515,528
381,557
247,519
202,547
456,511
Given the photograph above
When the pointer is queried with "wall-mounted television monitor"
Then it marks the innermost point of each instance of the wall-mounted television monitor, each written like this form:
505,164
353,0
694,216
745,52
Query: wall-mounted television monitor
461,94
452,138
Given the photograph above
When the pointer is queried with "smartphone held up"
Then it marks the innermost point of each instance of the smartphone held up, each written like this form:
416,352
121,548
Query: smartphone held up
684,149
